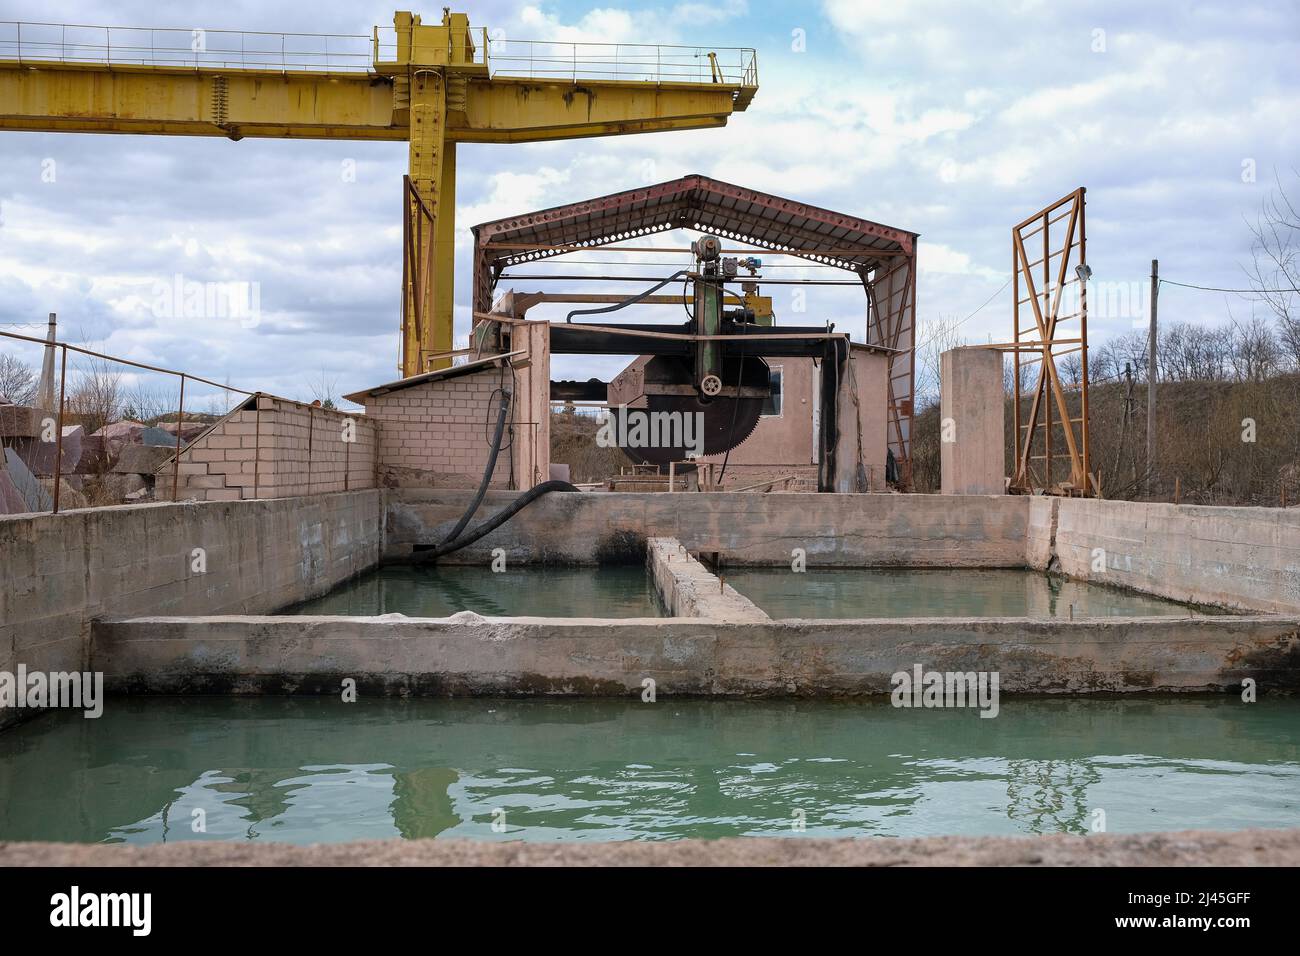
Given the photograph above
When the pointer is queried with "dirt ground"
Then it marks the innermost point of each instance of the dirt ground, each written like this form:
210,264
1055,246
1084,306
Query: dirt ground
1185,848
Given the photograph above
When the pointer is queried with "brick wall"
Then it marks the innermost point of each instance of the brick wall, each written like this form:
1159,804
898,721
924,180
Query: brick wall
276,449
436,434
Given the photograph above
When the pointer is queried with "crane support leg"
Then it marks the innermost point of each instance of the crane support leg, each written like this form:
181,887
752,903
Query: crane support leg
430,231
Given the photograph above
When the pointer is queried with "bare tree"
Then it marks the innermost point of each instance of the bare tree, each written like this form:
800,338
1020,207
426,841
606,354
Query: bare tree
323,389
1254,349
937,337
1072,369
94,397
1128,351
18,382
145,403
1194,353
1028,374
1275,270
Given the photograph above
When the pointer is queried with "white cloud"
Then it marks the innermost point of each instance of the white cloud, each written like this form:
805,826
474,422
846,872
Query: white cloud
950,120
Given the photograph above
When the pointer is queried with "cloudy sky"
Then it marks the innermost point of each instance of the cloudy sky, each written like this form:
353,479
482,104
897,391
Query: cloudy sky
953,120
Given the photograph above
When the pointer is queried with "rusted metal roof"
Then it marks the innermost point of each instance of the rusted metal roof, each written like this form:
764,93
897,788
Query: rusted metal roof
699,203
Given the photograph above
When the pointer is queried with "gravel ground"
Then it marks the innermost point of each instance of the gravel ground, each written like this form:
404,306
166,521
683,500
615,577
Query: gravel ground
1185,848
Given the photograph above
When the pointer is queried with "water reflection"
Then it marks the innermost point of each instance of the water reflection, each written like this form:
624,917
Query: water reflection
608,591
1051,796
884,592
314,770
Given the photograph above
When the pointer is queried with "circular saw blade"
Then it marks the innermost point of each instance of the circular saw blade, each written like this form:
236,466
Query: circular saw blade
723,422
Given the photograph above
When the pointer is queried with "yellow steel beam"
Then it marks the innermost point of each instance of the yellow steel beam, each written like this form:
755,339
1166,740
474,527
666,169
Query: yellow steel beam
516,110
95,98
435,93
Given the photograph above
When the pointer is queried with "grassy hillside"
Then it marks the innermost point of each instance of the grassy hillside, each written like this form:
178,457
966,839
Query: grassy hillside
573,443
1200,440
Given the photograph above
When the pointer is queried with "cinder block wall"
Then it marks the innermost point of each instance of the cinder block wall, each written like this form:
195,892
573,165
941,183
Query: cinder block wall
436,434
62,571
278,449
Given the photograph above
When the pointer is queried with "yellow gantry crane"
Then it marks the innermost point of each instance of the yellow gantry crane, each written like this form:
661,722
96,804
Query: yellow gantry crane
431,85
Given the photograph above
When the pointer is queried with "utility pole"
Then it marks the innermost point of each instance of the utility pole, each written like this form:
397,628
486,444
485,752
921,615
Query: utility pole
1151,378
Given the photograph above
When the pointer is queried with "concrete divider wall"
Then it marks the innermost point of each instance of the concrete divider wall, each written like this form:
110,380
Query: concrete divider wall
834,530
61,571
1245,558
471,655
689,589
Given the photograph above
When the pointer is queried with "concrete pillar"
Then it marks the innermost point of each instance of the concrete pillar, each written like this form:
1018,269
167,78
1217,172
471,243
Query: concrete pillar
532,412
45,390
862,443
971,422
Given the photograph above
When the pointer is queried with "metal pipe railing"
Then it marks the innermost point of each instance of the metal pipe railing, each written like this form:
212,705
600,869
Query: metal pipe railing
38,42
44,42
61,421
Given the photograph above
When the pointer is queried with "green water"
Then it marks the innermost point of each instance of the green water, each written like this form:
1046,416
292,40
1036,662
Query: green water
311,770
612,591
862,593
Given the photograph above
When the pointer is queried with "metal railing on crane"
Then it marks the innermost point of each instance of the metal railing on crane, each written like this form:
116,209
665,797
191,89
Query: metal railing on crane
197,48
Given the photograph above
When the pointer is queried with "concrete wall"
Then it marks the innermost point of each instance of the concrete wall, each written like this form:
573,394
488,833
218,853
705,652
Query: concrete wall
1246,558
834,530
275,449
971,412
471,655
61,571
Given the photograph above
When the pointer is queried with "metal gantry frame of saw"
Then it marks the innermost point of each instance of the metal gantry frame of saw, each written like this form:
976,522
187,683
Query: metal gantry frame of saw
882,258
1056,236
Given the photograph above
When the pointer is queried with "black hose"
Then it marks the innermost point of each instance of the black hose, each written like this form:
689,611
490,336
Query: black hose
626,302
502,409
491,524
735,408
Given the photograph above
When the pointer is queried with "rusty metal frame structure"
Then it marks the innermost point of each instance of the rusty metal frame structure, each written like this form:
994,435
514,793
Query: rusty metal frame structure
1039,329
883,258
417,264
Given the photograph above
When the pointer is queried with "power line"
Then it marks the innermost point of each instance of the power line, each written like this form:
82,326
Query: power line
986,302
1206,288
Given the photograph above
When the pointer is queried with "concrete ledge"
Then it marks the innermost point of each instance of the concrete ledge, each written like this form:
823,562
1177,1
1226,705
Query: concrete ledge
469,655
1182,848
689,589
